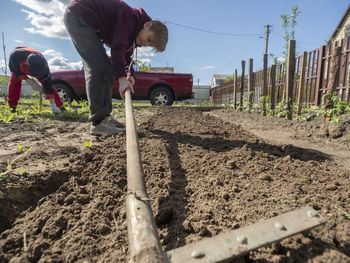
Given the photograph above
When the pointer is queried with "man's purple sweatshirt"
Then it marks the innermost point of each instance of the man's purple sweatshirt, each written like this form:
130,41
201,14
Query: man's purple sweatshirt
116,24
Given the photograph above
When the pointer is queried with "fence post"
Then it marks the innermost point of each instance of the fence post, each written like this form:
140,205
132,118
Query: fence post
319,79
265,84
290,78
229,94
278,79
273,86
41,100
250,84
235,86
302,81
242,86
334,77
221,100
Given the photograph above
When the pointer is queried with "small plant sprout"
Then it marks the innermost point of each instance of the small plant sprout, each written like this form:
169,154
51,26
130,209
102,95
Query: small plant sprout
22,171
6,116
3,175
347,215
20,148
9,164
87,144
304,180
1,195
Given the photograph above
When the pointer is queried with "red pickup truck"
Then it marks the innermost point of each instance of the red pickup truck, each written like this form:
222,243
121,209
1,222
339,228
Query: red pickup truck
159,88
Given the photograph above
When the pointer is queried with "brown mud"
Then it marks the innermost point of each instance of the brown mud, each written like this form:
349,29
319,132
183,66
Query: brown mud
207,172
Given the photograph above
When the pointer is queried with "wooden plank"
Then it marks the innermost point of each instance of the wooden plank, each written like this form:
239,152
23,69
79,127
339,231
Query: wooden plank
302,82
242,87
290,78
265,84
334,79
319,78
250,83
235,87
273,87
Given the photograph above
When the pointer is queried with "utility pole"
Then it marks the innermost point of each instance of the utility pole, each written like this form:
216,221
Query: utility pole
3,46
267,37
265,90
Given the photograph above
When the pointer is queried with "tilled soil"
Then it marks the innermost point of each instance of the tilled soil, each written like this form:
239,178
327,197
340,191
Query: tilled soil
205,175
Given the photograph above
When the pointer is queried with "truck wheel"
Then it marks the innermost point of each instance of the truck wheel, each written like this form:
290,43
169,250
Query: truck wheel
64,92
161,97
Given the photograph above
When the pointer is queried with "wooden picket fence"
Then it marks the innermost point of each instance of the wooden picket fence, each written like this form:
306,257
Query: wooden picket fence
317,77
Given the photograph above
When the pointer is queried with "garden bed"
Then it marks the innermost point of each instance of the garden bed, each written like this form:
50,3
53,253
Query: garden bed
207,171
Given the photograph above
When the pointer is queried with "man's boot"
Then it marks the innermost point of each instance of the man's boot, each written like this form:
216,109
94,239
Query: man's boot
13,109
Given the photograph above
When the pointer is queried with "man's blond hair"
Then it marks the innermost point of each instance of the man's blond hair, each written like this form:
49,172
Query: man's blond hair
160,32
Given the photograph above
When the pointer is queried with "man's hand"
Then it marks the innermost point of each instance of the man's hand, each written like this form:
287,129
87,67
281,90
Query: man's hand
53,106
124,84
131,79
55,109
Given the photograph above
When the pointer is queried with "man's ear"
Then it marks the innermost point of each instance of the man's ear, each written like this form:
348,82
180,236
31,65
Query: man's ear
147,24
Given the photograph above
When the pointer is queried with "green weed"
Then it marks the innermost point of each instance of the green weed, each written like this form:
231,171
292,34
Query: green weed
87,144
9,164
304,180
5,114
347,215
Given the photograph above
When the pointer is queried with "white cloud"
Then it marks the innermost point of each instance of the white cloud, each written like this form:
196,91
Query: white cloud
52,26
209,67
46,17
281,59
145,60
56,61
45,7
52,53
145,52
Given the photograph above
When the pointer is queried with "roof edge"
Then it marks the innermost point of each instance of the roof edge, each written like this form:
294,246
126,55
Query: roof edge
347,11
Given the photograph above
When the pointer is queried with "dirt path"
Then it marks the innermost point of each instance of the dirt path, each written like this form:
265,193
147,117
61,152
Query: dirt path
204,175
309,135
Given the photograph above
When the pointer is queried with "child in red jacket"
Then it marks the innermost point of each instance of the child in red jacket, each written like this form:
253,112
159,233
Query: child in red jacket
93,23
26,62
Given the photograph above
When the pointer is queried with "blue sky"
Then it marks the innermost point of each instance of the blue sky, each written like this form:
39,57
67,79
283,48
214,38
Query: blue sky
38,24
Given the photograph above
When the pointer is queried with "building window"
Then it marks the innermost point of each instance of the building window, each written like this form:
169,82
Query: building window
347,31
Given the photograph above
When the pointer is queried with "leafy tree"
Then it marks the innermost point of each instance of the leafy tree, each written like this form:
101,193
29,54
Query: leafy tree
289,21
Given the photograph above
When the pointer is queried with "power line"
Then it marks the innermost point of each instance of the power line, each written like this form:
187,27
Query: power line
298,40
240,54
209,31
